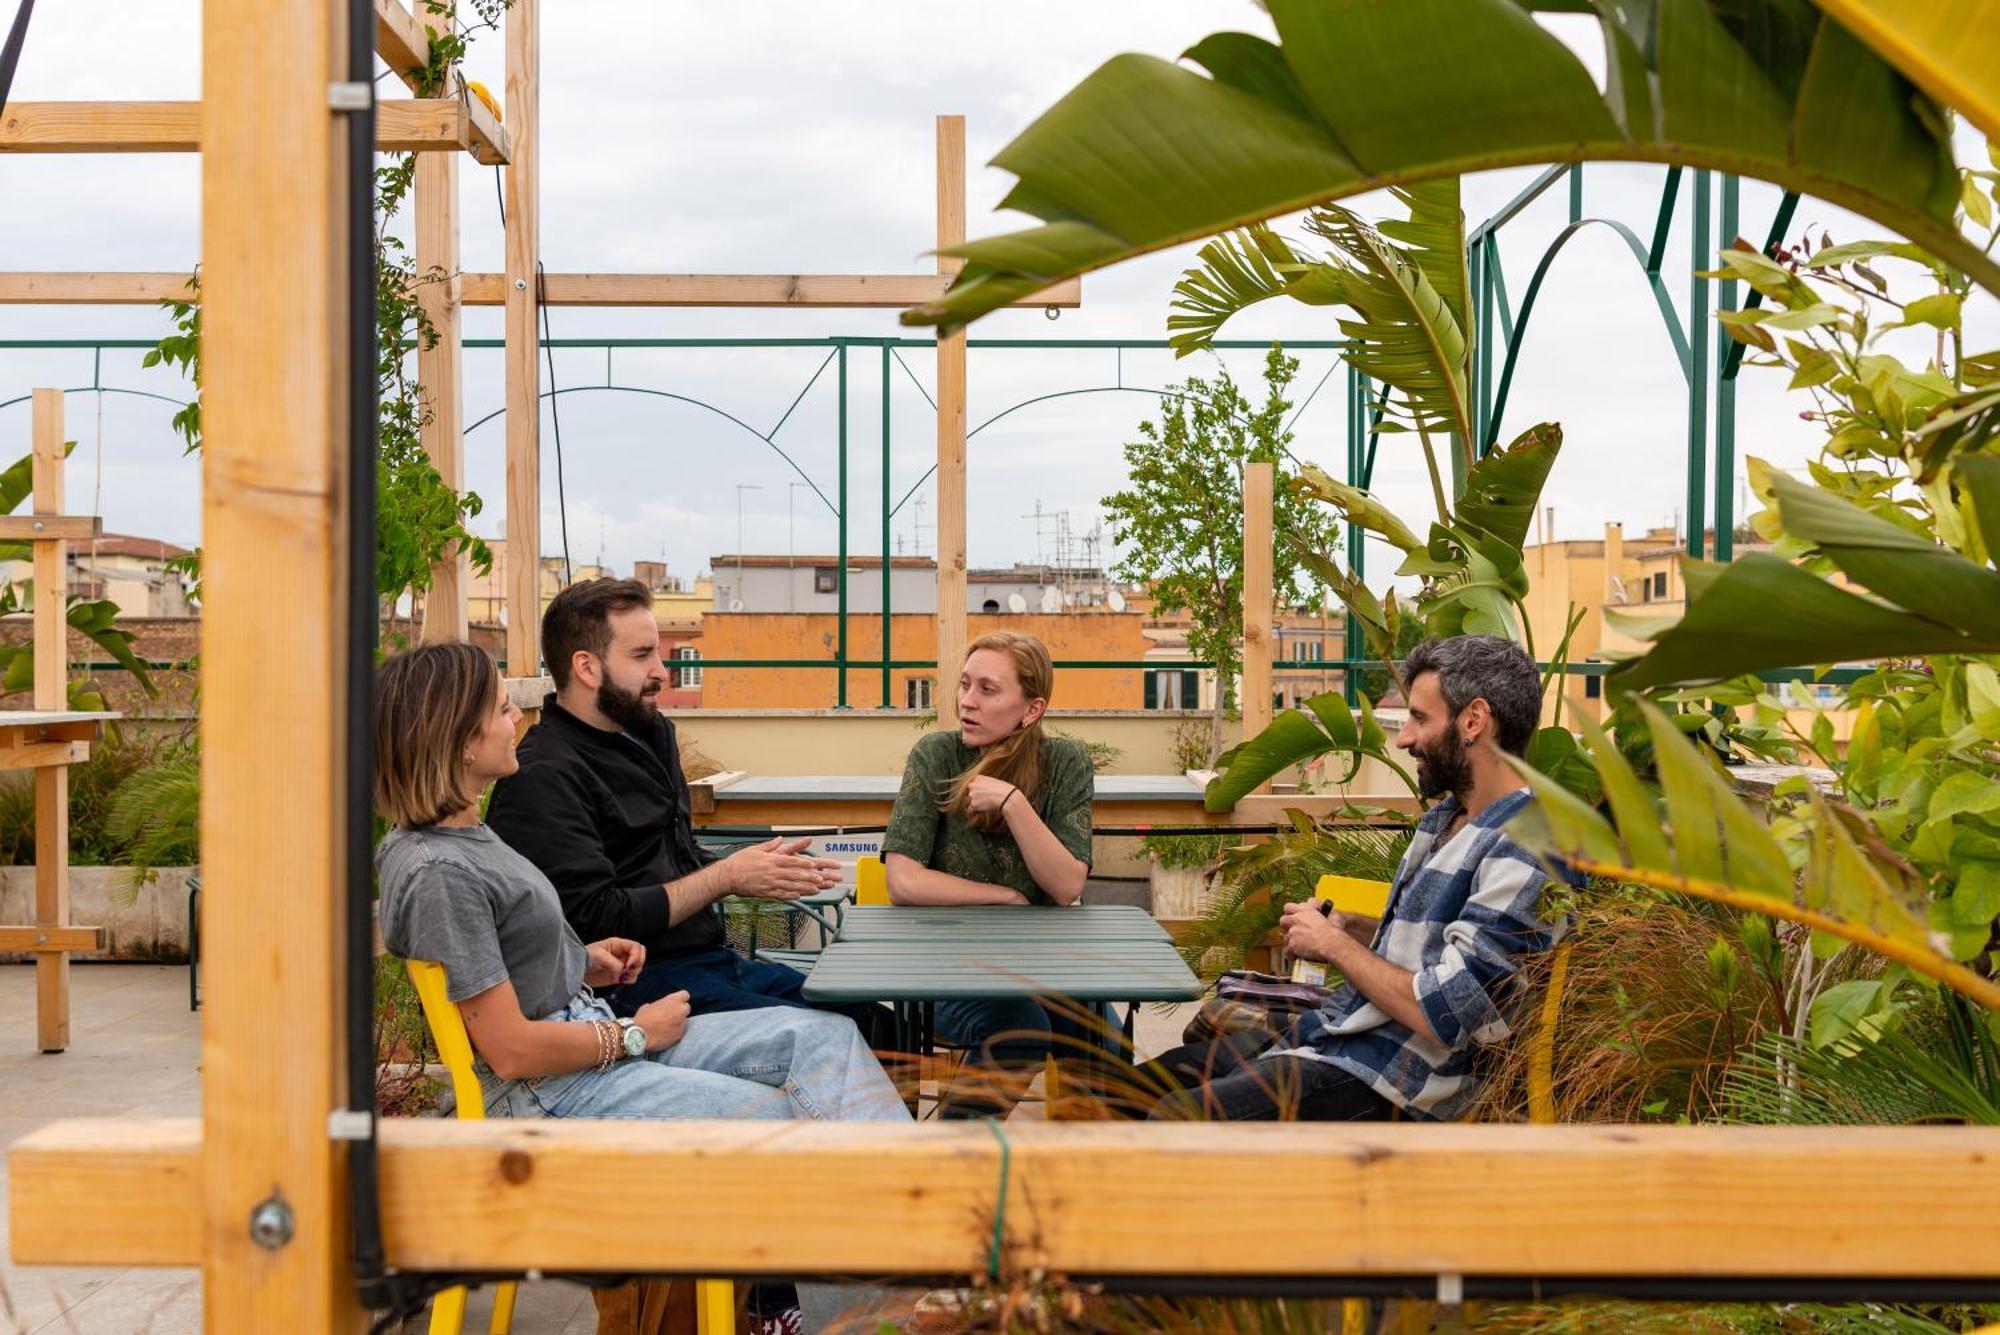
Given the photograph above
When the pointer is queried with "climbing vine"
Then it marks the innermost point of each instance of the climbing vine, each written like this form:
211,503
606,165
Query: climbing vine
420,519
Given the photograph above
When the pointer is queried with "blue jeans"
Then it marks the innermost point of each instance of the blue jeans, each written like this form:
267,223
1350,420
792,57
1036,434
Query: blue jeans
1015,1036
769,1064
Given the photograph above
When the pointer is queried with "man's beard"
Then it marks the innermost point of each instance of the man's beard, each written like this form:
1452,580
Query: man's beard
1442,767
630,710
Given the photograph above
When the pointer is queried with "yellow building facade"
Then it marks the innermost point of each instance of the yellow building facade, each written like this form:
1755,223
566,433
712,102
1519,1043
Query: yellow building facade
1638,576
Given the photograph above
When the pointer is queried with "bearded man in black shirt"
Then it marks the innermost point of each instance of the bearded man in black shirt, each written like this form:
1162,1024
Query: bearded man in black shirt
601,806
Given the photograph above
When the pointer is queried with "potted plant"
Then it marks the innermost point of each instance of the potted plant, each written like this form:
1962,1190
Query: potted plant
1182,866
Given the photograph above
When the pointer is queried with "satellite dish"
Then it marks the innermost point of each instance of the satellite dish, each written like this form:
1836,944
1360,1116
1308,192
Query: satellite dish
1115,601
1016,603
1051,599
736,604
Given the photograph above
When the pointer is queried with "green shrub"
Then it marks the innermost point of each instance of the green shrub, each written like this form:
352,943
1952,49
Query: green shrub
133,800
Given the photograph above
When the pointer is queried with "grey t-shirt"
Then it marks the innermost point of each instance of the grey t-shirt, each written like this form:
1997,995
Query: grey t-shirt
462,897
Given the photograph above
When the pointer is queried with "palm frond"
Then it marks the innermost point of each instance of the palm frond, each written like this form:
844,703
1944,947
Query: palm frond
156,816
1238,270
1407,334
1939,1067
1256,883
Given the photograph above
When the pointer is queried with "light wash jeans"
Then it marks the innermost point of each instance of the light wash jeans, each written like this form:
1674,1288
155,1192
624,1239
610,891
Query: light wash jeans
770,1064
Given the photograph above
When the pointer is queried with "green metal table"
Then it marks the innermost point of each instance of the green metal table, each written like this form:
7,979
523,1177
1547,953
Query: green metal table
917,957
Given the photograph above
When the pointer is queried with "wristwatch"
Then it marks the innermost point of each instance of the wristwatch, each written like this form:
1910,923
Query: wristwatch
633,1038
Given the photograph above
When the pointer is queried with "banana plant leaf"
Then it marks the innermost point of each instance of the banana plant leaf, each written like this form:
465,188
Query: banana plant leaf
1503,490
1239,270
1704,840
1948,48
1980,476
1760,613
17,481
1324,727
1358,507
1357,95
1913,572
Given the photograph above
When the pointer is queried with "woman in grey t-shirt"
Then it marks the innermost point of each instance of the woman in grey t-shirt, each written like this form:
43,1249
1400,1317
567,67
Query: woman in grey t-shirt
454,893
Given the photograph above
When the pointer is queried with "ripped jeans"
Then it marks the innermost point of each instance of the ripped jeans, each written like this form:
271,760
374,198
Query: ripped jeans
770,1064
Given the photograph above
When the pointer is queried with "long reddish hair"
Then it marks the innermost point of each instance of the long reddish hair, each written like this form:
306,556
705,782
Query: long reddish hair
1015,759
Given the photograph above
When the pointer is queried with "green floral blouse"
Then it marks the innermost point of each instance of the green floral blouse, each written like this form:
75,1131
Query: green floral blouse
951,844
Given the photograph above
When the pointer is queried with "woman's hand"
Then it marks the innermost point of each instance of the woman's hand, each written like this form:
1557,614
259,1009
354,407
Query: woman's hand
613,961
986,793
664,1021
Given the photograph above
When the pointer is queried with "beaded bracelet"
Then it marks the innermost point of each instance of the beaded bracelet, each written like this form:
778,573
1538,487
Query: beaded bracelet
606,1053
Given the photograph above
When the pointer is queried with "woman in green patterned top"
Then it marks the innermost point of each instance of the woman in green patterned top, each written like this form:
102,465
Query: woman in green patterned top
997,813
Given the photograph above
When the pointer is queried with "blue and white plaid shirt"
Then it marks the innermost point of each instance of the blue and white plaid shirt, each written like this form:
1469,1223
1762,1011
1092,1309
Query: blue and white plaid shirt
1460,917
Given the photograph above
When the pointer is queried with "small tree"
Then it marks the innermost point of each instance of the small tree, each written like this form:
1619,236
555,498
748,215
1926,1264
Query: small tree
1180,519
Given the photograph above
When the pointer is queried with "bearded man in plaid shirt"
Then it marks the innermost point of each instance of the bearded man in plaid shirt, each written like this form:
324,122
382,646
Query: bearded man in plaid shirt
1428,985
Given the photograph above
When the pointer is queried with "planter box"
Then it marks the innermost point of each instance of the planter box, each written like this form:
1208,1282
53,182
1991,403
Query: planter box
1180,893
151,926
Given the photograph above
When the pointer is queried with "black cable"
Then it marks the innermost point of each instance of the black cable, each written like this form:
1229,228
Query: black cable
555,414
377,1287
10,54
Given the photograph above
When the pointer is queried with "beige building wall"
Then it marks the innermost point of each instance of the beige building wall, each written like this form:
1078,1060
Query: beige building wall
1637,576
878,741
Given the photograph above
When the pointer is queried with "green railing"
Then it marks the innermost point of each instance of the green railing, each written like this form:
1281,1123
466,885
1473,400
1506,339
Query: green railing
1710,374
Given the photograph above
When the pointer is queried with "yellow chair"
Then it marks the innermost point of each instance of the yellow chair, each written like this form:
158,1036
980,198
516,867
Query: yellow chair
871,881
715,1299
455,1050
1351,894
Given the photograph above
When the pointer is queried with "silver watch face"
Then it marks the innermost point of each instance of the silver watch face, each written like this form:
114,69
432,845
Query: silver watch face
635,1040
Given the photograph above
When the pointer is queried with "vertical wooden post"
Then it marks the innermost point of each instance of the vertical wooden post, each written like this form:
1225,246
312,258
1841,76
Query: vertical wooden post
51,692
1257,546
524,381
438,371
274,487
951,430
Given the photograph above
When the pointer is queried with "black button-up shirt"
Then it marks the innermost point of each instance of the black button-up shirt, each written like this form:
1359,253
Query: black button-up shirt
605,816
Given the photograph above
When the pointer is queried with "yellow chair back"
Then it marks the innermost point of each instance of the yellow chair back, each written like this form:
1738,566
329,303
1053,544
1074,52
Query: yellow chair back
1351,894
455,1050
871,881
448,1031
715,1299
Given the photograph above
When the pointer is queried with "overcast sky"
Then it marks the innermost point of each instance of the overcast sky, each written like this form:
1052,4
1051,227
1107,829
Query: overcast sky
793,137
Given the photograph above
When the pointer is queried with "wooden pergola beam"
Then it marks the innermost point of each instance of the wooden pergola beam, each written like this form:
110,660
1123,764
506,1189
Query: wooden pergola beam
845,291
522,375
875,1198
70,528
51,940
410,125
92,289
804,291
275,492
402,40
951,389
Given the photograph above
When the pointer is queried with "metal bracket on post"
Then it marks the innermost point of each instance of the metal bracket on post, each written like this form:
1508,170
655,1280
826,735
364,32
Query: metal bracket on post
349,1124
1451,1290
350,96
